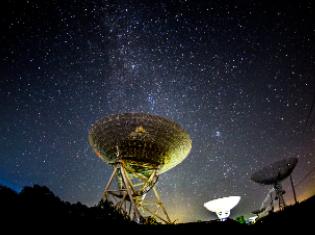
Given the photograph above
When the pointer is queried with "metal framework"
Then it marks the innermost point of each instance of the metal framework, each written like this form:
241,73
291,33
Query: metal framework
279,195
129,194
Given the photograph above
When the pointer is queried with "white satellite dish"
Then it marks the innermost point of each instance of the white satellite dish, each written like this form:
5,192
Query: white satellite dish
222,206
252,219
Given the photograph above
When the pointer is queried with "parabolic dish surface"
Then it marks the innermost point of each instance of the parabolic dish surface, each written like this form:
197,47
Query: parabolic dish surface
145,142
275,172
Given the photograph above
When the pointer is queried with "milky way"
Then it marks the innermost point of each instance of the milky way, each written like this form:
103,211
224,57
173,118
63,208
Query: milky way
238,77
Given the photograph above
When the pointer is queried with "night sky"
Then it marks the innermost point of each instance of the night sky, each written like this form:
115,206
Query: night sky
238,76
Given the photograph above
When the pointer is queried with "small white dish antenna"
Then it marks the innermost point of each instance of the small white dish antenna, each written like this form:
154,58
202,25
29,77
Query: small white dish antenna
252,219
222,206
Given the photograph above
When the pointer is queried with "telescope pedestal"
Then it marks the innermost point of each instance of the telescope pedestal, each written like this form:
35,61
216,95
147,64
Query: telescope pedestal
128,195
279,195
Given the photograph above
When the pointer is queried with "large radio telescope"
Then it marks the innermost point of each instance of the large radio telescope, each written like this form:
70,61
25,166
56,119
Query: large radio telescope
222,206
140,147
274,174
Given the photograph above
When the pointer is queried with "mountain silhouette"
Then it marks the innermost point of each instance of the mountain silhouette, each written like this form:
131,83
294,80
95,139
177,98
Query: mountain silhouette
38,203
38,206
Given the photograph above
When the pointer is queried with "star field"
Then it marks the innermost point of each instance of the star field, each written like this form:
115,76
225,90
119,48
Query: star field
239,77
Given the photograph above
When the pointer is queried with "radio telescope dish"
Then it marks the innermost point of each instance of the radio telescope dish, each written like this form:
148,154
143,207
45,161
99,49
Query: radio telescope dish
222,206
146,142
274,174
140,147
252,219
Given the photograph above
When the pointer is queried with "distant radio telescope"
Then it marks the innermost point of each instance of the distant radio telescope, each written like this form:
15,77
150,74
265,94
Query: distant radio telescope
140,147
274,174
222,206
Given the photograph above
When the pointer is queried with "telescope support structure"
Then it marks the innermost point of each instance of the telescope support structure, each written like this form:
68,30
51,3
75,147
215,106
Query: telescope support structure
127,191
